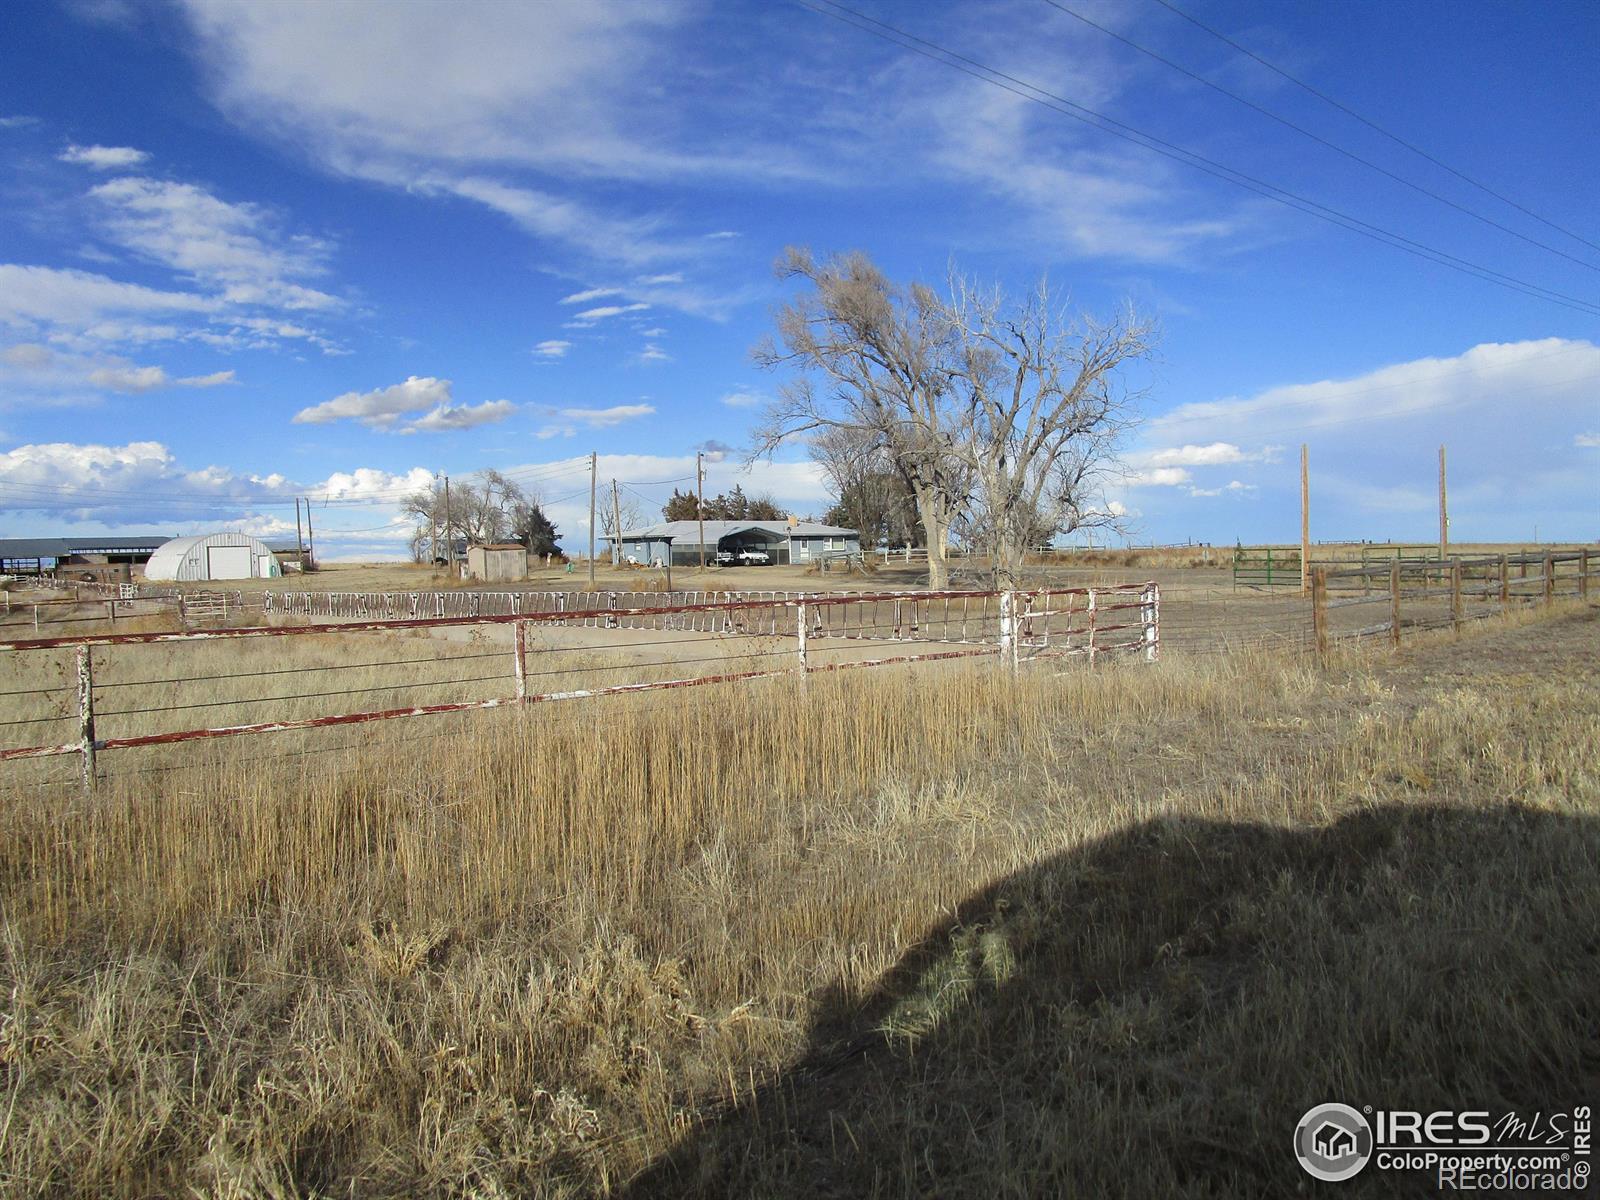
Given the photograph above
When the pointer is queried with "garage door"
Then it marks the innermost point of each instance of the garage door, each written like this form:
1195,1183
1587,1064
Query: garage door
227,562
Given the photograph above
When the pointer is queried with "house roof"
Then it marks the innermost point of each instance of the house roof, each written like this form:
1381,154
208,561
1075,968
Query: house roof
689,531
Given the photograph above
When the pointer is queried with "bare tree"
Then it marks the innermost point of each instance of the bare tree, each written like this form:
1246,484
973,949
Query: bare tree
881,353
1004,417
481,510
1047,410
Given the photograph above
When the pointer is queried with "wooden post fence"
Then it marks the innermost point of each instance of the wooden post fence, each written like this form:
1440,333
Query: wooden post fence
1319,611
1583,574
1549,578
1505,581
1394,604
1455,595
86,715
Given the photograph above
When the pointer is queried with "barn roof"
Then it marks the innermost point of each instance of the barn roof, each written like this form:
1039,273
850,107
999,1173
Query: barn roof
61,547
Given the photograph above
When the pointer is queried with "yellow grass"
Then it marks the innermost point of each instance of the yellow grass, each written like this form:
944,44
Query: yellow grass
895,933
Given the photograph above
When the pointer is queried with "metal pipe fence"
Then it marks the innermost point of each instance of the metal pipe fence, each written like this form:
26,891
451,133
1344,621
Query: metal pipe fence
88,695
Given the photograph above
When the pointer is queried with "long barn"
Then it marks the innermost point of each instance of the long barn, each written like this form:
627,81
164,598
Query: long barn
799,543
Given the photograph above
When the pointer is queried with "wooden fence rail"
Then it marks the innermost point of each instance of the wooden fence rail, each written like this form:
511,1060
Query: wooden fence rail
1417,594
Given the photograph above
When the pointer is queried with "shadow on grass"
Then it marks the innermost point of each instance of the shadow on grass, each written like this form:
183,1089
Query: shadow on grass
1152,1014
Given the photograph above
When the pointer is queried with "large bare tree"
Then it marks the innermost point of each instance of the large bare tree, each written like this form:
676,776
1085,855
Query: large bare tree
872,357
1046,407
1003,416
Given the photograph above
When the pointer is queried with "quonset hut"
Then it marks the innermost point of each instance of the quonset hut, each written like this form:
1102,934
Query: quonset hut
213,556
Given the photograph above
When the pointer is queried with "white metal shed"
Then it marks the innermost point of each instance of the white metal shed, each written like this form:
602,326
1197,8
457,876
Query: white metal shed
213,556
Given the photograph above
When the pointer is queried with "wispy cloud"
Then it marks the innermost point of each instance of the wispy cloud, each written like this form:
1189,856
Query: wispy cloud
448,417
653,353
608,310
553,348
1587,440
743,398
605,418
588,294
148,379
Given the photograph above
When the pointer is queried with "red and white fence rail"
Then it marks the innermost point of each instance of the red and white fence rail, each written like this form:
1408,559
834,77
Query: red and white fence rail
104,692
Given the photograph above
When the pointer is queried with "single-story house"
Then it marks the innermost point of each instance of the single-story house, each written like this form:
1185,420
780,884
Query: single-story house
796,542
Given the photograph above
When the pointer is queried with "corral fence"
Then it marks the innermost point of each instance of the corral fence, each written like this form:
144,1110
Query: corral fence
108,697
1415,594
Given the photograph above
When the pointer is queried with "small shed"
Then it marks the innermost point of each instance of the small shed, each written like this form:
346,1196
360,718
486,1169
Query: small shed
497,562
213,556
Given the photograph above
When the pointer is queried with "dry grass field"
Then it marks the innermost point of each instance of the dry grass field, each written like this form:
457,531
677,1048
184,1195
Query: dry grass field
894,934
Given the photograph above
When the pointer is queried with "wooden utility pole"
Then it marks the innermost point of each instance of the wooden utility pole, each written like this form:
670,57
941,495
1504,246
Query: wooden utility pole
1444,513
700,505
616,526
449,538
1305,521
594,467
299,542
311,535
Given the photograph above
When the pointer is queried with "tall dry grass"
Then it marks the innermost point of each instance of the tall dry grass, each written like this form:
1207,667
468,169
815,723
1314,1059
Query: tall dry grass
536,958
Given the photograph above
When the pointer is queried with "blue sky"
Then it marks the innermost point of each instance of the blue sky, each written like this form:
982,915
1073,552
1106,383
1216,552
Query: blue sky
255,251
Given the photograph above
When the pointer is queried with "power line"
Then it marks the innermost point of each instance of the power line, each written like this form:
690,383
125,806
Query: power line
1373,125
1106,124
1318,138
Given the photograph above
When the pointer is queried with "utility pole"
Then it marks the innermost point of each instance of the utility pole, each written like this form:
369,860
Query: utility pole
311,537
700,505
1444,513
449,537
616,526
594,460
1305,521
299,542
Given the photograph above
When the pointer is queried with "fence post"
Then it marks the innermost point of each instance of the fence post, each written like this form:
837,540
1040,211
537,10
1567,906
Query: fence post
1583,574
1394,603
86,715
1549,578
519,658
1008,628
800,634
1319,611
1505,581
1150,614
1092,622
1455,595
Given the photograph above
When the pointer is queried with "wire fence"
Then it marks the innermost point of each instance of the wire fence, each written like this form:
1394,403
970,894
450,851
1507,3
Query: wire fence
91,694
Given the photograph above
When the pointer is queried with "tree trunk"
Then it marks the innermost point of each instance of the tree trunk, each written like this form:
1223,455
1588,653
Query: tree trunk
931,513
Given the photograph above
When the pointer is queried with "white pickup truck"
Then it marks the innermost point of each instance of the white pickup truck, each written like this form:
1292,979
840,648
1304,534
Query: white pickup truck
752,557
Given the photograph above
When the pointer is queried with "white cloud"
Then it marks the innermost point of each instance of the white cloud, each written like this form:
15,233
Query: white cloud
1587,439
27,355
103,158
653,353
654,332
605,418
366,483
382,407
1428,387
465,416
721,235
554,348
1158,477
657,280
1214,454
742,398
609,310
234,249
1235,485
50,298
